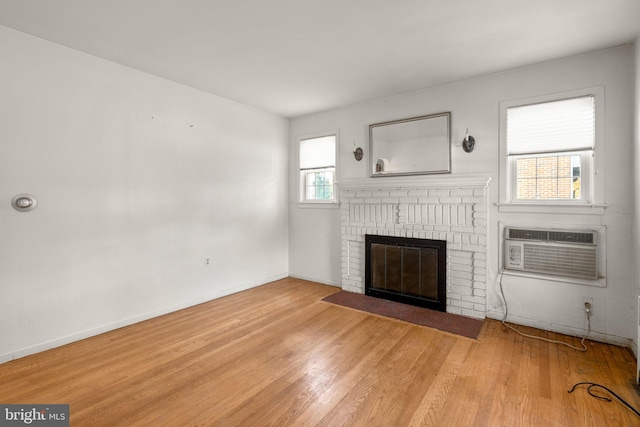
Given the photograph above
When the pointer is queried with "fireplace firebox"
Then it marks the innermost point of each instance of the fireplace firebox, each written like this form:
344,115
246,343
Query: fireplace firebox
406,270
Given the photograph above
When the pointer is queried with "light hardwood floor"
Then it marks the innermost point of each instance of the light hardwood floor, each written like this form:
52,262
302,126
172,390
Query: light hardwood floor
278,355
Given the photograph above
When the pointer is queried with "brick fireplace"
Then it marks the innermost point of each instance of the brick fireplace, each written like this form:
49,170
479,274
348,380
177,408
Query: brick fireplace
444,207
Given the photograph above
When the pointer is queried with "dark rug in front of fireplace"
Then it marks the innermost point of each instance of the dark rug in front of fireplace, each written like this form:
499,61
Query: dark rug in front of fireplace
447,322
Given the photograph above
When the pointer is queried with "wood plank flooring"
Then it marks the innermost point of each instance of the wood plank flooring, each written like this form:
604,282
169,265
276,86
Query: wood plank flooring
277,355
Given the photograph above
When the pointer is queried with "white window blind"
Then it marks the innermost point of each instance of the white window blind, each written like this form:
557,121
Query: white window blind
548,127
318,153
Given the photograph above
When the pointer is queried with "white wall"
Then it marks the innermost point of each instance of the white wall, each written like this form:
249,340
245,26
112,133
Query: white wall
315,235
138,180
636,216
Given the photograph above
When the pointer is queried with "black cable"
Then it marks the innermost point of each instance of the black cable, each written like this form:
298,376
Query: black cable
591,385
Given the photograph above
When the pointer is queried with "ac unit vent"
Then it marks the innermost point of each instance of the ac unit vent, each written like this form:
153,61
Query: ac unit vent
569,261
518,233
583,237
555,252
571,237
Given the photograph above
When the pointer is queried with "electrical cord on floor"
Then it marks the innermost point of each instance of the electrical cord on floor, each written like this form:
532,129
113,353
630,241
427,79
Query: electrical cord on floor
506,311
591,385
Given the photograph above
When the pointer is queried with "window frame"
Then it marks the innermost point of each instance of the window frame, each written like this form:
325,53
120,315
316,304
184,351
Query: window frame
301,177
592,165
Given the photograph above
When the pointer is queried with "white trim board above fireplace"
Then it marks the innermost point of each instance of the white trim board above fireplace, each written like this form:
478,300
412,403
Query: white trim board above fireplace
451,208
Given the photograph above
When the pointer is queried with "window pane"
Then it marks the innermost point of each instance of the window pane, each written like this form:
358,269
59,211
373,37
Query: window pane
319,185
548,177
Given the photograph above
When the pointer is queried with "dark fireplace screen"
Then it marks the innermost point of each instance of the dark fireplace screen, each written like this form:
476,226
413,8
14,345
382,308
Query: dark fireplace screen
411,271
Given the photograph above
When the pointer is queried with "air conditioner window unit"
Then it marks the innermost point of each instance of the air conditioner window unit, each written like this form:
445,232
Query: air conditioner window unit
556,252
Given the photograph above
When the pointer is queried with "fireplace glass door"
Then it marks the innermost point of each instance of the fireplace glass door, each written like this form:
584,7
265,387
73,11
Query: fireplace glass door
406,270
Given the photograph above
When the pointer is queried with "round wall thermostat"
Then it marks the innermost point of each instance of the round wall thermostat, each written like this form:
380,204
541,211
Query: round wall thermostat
24,202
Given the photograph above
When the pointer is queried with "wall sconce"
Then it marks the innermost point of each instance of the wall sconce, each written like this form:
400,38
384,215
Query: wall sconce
358,153
468,143
24,202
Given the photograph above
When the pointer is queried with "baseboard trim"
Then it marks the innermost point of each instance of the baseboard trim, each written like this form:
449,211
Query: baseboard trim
316,280
561,329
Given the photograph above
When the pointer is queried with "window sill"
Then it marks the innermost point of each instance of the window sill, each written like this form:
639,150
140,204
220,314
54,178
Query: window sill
318,205
595,209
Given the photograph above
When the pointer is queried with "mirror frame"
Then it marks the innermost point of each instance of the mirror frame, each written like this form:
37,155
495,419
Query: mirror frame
373,157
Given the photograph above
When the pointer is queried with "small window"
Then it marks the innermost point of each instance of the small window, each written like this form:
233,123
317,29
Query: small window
550,148
317,162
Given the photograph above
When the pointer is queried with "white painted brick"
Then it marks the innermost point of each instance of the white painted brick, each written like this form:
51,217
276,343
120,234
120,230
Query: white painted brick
460,261
472,200
461,267
465,283
479,307
438,193
420,213
427,200
462,304
479,286
450,200
412,200
479,214
460,254
462,290
389,200
473,299
379,193
480,230
454,310
462,192
479,263
468,215
438,211
462,229
455,246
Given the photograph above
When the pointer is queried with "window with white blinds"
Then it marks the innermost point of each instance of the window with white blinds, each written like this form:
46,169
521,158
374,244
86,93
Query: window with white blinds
551,127
550,147
317,169
318,153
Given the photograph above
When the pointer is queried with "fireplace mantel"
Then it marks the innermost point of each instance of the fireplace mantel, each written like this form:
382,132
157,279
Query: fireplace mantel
422,181
451,207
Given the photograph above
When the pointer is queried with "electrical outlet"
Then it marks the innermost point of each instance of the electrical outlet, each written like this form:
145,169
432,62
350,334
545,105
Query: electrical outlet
207,262
587,303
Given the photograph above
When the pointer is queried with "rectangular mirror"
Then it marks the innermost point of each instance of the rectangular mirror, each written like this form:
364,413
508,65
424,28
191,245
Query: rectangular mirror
415,146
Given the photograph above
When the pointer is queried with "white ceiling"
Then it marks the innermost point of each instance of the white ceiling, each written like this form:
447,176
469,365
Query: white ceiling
294,57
